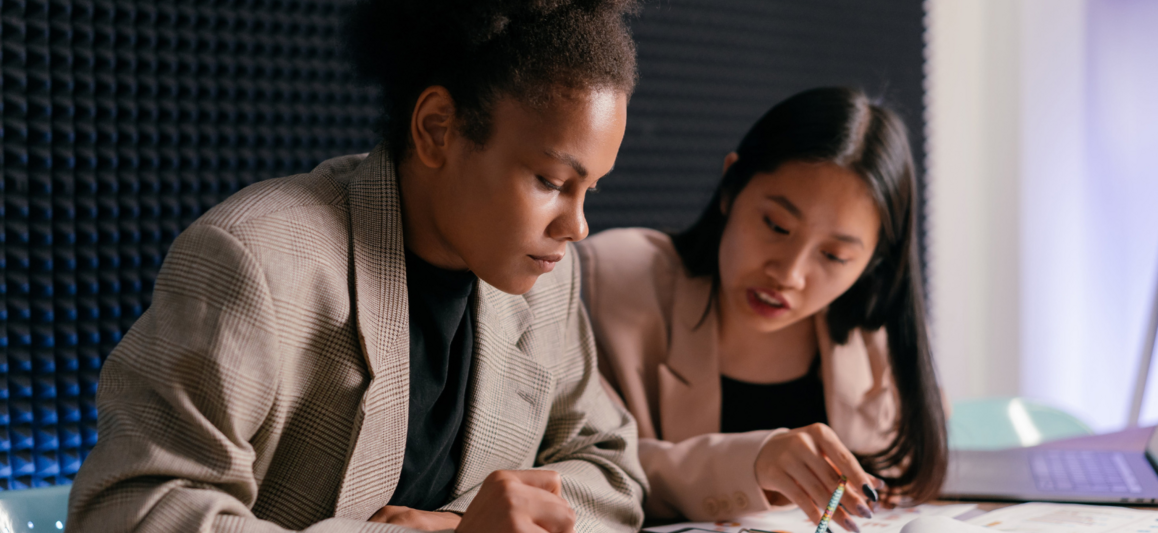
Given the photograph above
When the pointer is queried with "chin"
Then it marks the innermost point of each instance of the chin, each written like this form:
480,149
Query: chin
516,285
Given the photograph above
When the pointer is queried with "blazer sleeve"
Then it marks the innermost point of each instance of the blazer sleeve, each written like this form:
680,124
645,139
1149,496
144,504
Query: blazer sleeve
704,478
181,399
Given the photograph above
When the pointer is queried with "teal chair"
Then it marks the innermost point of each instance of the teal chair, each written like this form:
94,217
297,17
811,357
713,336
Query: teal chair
998,423
34,510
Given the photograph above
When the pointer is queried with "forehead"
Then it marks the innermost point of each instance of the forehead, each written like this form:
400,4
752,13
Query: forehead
824,194
574,117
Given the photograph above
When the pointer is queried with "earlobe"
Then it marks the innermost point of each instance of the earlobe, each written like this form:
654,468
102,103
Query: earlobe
431,126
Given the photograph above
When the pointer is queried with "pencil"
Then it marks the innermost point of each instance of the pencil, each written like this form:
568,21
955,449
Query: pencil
832,503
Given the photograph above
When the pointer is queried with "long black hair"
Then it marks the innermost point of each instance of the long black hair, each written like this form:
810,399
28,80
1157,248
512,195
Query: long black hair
842,126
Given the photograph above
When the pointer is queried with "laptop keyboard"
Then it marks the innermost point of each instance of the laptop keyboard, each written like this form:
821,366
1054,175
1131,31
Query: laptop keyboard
1082,471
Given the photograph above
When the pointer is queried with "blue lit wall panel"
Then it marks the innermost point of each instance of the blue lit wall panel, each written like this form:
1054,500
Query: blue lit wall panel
123,121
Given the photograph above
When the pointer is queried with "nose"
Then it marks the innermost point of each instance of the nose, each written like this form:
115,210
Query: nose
789,270
570,224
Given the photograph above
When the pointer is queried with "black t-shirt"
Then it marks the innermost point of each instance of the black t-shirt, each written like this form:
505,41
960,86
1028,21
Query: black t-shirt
441,343
791,404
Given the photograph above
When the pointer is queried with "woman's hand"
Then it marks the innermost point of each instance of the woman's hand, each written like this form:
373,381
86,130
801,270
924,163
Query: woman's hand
519,501
804,466
415,519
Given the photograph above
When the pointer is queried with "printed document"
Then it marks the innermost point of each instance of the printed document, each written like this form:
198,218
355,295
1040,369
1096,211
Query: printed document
795,521
1068,518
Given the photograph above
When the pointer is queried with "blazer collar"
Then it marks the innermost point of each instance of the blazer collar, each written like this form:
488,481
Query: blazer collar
504,377
381,309
502,373
690,395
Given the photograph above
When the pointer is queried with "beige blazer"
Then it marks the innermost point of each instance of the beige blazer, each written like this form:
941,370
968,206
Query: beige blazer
645,308
266,388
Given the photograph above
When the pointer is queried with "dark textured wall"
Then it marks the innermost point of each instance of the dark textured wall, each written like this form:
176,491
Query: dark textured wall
710,68
124,120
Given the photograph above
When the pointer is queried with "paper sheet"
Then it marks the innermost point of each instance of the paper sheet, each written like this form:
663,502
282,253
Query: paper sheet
795,521
1068,518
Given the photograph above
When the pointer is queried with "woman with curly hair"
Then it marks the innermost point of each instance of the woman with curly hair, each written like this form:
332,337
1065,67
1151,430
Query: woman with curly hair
393,341
779,342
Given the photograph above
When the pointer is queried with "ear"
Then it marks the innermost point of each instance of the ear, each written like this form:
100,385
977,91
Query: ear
729,159
432,126
726,202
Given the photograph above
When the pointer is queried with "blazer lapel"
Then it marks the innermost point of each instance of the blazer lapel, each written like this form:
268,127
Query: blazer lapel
508,387
378,272
689,382
858,395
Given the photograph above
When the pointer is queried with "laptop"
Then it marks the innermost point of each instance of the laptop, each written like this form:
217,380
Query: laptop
1043,474
1059,475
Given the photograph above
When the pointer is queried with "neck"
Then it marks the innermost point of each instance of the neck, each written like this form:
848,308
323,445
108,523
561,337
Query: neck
765,357
418,187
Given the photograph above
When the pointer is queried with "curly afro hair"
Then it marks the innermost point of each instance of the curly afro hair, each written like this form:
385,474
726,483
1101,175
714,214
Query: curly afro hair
481,50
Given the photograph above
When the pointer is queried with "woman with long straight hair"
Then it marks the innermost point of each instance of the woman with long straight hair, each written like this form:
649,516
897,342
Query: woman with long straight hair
780,341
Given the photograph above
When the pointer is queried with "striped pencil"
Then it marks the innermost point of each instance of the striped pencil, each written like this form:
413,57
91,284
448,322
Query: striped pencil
832,503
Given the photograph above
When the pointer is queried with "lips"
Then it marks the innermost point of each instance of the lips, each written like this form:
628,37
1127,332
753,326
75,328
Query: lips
768,303
546,263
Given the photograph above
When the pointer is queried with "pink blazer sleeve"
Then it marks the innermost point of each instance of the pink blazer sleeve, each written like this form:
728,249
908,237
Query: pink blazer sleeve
704,478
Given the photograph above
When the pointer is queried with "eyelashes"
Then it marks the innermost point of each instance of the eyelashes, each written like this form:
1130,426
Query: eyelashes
774,227
780,230
551,186
547,183
835,259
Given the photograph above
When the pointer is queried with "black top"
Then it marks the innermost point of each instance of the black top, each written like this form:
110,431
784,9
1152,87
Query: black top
791,404
441,343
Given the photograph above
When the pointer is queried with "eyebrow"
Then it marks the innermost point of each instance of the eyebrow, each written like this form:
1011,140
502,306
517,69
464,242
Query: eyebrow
787,205
795,211
849,239
570,160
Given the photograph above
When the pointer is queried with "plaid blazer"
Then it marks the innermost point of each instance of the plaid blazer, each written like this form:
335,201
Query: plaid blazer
267,386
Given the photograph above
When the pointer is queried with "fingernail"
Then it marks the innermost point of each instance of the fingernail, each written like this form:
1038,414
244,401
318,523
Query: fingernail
851,526
869,492
863,511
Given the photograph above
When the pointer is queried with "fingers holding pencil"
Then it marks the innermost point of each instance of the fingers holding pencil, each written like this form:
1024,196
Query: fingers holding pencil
806,465
833,502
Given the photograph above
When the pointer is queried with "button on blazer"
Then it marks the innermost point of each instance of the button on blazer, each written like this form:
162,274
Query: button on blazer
266,387
657,350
